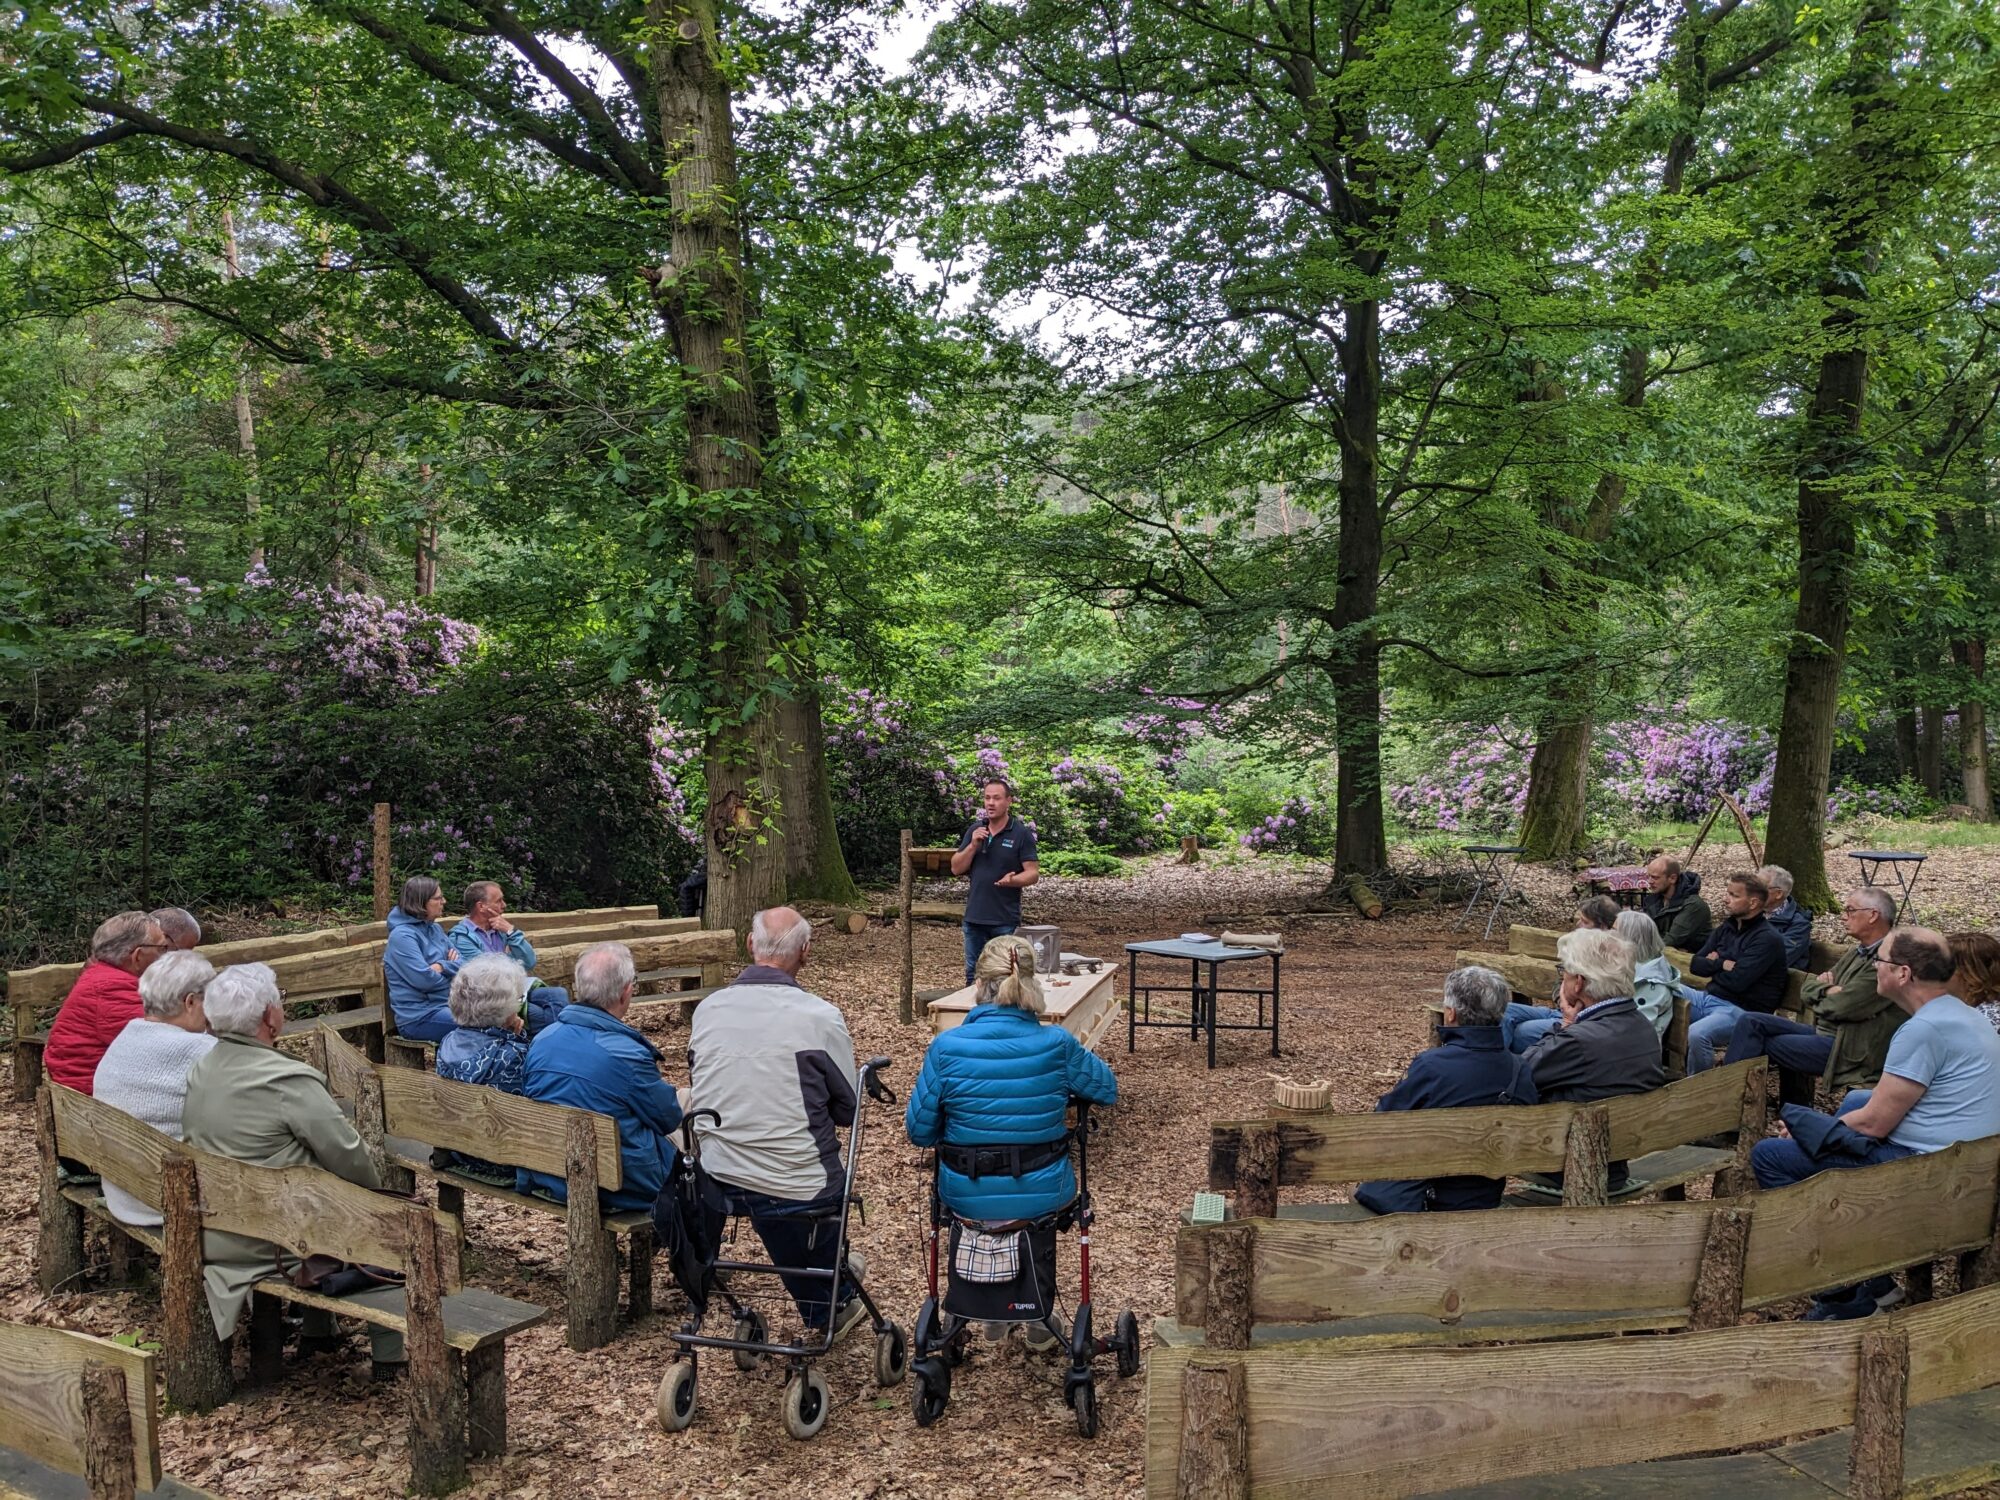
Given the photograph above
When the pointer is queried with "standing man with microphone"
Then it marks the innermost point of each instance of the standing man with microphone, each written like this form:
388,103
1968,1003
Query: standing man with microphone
999,854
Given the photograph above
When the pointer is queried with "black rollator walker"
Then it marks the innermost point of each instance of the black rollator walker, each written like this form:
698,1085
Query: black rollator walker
693,1252
1004,1272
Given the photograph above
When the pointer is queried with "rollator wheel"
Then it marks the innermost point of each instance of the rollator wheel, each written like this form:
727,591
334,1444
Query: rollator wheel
750,1328
892,1356
807,1401
1128,1344
930,1390
1084,1400
675,1402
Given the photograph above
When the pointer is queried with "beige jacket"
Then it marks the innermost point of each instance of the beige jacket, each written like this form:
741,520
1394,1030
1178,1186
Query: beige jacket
250,1102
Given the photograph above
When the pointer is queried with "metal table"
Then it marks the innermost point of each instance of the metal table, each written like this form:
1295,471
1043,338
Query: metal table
1872,861
1204,999
1487,869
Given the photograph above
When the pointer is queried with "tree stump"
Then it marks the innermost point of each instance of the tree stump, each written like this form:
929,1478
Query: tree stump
59,1239
1257,1173
1875,1460
1190,851
110,1462
195,1361
1718,1284
593,1254
1587,1158
1214,1461
1232,1250
436,1396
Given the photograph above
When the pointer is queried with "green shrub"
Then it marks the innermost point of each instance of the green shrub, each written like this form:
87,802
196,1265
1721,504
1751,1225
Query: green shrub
1082,862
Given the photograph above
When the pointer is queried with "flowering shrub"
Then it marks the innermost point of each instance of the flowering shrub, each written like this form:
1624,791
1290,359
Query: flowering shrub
1479,788
1666,767
1168,726
885,776
1300,826
1906,799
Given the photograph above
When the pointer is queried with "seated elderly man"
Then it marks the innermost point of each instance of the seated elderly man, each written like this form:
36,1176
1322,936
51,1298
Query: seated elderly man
1940,1085
1743,961
183,932
1847,1040
776,1062
248,1101
104,997
485,929
1791,921
591,1059
1603,1047
1467,1067
145,1069
488,1047
1524,1025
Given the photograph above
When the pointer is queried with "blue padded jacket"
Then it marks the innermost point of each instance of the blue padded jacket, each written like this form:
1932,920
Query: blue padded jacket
417,996
591,1060
1003,1078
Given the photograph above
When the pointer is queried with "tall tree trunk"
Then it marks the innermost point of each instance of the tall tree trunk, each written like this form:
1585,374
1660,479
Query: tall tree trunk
1555,817
815,867
427,537
246,426
1930,749
1360,840
1830,460
1906,743
1972,760
700,294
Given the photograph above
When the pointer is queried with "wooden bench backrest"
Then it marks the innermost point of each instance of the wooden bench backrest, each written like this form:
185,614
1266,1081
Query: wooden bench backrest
1414,1421
42,1397
1540,942
1495,1142
557,964
305,1209
1830,1230
492,1126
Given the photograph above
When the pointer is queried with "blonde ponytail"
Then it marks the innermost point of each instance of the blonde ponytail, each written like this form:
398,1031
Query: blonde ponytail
1005,975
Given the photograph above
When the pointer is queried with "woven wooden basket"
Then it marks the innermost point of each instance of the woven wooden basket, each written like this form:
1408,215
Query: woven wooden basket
1315,1095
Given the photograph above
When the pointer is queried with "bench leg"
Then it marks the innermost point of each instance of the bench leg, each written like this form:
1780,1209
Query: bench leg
27,1069
486,1401
267,1339
639,1274
124,1252
593,1252
436,1396
196,1361
59,1240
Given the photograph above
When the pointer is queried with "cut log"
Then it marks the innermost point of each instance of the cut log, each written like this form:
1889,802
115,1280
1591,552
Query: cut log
1214,1461
110,1464
848,920
1232,1254
1363,896
1587,1158
1190,851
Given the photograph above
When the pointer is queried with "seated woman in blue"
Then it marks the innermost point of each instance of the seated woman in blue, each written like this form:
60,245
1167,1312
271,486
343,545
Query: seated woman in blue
1004,1079
488,1046
419,962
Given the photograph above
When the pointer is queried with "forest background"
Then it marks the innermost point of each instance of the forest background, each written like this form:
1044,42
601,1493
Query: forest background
629,432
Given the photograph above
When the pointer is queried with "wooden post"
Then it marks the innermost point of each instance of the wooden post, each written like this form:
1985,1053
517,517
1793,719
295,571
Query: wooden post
267,1340
486,1400
1875,1459
1922,1281
1750,1126
639,1274
110,1462
1587,1158
124,1255
593,1255
59,1243
27,1058
436,1395
1718,1284
371,1123
1981,1267
1232,1251
906,884
1257,1173
196,1361
383,900
1214,1459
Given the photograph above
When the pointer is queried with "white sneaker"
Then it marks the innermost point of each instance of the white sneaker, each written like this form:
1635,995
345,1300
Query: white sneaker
846,1316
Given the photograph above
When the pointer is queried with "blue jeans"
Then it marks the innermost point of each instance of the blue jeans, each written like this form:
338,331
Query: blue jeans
1710,1022
1522,1025
1792,1045
977,936
1778,1162
798,1234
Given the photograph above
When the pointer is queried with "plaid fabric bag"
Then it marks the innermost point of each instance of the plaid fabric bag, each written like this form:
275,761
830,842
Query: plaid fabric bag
987,1258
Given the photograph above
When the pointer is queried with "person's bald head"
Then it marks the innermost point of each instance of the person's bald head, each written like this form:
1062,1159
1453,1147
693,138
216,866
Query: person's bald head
779,937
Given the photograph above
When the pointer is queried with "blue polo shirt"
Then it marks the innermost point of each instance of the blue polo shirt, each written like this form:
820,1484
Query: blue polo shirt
988,905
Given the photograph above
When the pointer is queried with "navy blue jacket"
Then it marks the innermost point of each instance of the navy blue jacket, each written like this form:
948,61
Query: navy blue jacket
1758,980
592,1060
1003,1077
1469,1066
1793,924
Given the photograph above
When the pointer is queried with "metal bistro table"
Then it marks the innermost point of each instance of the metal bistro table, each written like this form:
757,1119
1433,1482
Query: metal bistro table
1203,998
1872,861
1487,871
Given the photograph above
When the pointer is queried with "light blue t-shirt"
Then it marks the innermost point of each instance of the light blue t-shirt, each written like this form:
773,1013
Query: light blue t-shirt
1954,1052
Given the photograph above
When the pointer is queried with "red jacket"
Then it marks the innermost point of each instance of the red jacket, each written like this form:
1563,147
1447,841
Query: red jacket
101,1001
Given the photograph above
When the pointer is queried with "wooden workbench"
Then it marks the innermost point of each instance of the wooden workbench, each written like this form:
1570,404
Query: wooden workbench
1084,1004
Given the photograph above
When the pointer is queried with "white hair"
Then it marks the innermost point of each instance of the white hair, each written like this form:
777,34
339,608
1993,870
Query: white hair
237,998
602,973
1876,900
787,942
1603,960
487,990
1778,878
1477,995
169,980
1641,934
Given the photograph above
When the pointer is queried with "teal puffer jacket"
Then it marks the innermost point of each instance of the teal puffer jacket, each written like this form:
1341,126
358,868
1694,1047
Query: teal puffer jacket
1003,1078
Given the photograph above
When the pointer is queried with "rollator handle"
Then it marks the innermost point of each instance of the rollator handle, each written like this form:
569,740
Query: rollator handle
877,1089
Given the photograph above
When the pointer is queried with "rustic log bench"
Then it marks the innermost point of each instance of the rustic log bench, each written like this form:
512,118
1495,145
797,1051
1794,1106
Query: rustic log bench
456,1338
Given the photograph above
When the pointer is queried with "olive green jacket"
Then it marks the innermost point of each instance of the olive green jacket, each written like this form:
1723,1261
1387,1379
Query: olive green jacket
251,1103
1858,1018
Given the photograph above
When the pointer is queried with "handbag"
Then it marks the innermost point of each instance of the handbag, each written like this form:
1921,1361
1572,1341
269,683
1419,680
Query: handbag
987,1258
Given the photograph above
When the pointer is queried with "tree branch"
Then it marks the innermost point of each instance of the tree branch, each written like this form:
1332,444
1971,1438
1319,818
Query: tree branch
55,156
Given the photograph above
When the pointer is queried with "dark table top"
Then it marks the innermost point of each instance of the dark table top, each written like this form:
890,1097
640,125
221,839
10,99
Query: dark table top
1208,953
1496,848
1886,854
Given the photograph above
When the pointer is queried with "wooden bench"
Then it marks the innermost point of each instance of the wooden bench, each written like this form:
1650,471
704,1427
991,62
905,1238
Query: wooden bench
83,1405
1654,1132
1320,1419
456,1339
1490,1277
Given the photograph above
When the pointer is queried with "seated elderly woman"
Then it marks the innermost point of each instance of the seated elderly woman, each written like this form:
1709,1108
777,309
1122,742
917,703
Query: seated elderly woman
1468,1066
145,1069
1975,978
1655,985
418,963
248,1101
993,1096
489,1045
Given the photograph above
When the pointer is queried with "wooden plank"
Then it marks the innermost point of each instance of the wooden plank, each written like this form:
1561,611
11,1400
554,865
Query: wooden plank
1952,1347
362,1018
557,964
1533,979
41,1397
1532,942
1838,1227
495,1127
931,861
123,1151
532,922
347,1067
304,1209
612,930
1709,1103
618,1223
1336,1148
473,1317
1413,1331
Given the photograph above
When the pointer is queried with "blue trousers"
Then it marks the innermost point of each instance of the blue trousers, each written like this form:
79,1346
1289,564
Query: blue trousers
977,936
1522,1025
1710,1022
1778,1162
1792,1045
798,1234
